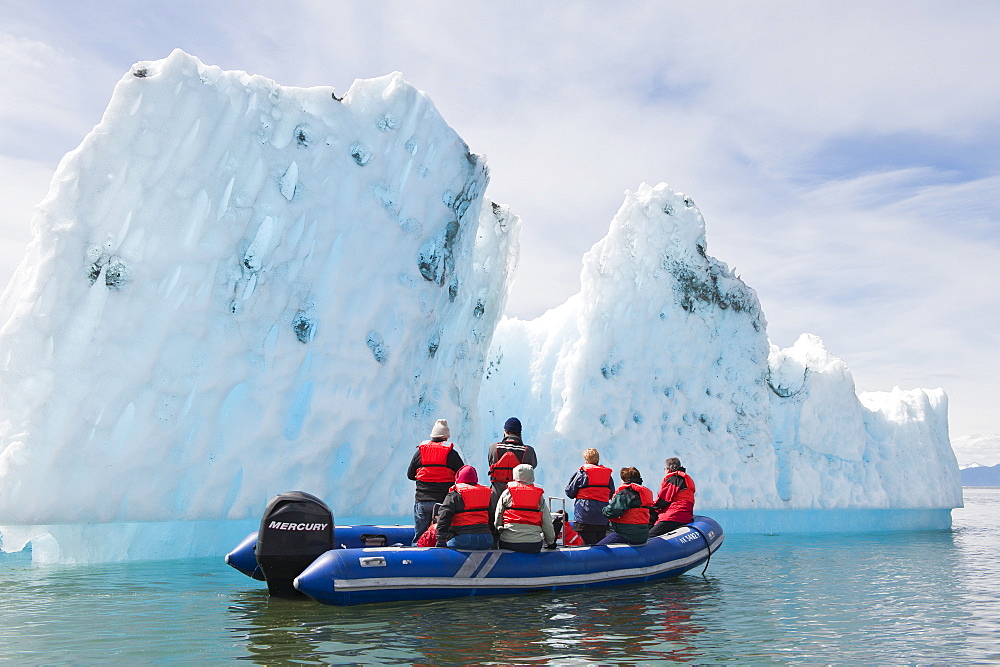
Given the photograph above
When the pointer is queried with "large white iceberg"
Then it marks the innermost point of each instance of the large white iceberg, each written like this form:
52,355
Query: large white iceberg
236,289
664,352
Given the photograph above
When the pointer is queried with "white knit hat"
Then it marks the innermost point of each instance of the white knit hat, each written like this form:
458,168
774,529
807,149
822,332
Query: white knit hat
524,473
440,430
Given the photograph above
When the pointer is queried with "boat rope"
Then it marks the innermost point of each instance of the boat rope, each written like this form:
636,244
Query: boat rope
708,545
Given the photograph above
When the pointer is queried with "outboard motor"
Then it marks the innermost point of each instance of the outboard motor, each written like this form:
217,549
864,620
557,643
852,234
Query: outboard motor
296,529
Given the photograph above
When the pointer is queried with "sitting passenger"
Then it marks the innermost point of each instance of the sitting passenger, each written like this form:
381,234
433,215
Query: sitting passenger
564,530
675,501
591,487
522,515
464,516
632,506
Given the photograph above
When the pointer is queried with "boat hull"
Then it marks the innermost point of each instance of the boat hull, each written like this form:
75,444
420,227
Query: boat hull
359,576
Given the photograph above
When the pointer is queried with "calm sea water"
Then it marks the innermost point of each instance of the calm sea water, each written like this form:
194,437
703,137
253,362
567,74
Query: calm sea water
931,597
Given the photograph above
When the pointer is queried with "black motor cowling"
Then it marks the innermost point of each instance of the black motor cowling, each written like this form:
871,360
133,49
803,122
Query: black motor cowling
296,529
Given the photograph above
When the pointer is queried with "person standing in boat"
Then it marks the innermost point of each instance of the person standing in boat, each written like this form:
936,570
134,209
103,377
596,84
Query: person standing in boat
433,468
510,452
591,487
675,501
522,517
464,516
630,510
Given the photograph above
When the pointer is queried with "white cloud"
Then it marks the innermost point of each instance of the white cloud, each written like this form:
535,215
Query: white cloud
23,183
984,450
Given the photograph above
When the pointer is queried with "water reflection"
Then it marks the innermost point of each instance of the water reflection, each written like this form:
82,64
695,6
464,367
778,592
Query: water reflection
977,526
604,625
853,598
300,630
878,598
816,598
86,614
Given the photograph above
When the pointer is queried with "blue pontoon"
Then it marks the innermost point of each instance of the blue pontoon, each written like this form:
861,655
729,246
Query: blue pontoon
355,576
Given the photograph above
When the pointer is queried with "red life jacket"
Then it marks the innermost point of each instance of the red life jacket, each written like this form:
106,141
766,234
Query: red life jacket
597,483
503,470
637,515
433,462
681,507
524,504
476,500
429,538
570,536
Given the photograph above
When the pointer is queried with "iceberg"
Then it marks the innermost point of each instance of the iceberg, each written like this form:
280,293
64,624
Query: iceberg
236,289
664,352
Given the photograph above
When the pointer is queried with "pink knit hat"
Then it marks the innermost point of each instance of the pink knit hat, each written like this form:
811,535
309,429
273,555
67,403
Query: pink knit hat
467,475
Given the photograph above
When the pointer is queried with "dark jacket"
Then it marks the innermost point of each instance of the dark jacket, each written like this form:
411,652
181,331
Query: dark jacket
511,443
432,491
586,510
627,499
446,512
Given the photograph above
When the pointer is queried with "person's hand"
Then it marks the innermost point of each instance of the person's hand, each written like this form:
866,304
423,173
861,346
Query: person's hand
552,546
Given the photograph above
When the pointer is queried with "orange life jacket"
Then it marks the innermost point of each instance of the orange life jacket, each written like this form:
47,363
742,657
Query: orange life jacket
637,515
433,462
524,504
476,500
597,483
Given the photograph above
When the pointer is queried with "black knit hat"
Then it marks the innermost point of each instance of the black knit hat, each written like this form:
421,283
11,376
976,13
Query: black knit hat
513,425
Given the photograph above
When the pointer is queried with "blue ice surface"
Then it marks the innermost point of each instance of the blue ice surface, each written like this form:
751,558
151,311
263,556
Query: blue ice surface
232,402
168,540
299,410
83,543
774,521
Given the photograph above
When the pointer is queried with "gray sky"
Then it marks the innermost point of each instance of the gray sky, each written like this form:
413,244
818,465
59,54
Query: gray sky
845,155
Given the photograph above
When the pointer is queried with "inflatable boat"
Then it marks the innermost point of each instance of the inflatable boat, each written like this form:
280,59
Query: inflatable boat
354,572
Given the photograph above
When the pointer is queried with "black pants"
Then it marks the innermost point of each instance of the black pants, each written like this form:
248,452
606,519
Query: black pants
590,533
522,547
664,527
